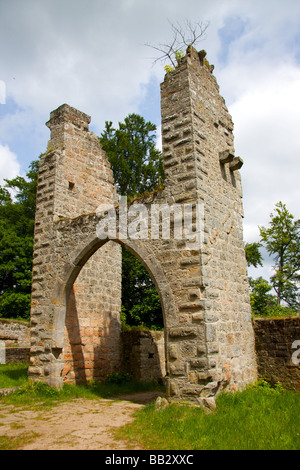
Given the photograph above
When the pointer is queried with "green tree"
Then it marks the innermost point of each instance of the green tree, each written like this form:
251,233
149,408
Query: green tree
137,168
140,300
253,255
262,302
135,161
16,243
282,239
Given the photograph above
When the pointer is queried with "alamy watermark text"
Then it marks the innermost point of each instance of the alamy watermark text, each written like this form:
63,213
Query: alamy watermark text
155,221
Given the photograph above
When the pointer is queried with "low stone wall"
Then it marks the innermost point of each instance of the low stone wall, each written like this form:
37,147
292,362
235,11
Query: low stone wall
276,350
15,333
17,355
143,354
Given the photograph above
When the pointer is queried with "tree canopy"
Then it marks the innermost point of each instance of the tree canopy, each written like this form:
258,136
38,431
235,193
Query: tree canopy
253,255
131,150
16,243
282,239
140,299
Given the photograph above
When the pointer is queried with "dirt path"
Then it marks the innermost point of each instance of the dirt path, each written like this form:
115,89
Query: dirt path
76,425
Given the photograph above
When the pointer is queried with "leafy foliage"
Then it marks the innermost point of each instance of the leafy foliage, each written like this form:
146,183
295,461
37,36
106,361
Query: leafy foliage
16,243
282,239
253,255
135,161
140,300
262,302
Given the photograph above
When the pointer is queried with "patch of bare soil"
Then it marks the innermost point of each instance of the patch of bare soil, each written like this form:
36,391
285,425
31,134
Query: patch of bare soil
76,425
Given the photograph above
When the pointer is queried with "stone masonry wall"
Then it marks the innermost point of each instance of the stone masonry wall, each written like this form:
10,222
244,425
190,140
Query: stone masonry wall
143,354
15,333
17,355
274,339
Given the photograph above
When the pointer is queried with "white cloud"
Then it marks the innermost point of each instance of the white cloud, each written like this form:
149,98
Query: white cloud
9,165
2,92
94,57
159,138
258,69
90,57
267,118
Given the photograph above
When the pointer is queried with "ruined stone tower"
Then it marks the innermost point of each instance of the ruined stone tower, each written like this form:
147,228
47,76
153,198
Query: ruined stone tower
74,178
200,164
203,289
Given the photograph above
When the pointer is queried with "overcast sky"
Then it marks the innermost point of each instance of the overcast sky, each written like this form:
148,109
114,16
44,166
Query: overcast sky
92,55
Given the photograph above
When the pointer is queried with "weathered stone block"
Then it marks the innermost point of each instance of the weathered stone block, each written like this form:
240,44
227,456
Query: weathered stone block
182,332
199,363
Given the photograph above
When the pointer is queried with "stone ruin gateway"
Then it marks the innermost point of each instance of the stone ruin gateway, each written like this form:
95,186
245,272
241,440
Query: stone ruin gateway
76,287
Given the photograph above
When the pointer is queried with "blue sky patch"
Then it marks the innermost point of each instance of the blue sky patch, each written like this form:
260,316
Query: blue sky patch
149,107
234,27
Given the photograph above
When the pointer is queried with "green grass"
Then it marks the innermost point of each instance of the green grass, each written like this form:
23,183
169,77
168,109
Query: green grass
12,375
13,443
259,418
39,394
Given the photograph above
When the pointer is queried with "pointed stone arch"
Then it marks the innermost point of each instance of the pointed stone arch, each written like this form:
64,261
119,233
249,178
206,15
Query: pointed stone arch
71,270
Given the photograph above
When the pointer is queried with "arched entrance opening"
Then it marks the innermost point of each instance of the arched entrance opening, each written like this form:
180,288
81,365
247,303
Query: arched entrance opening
95,343
141,306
